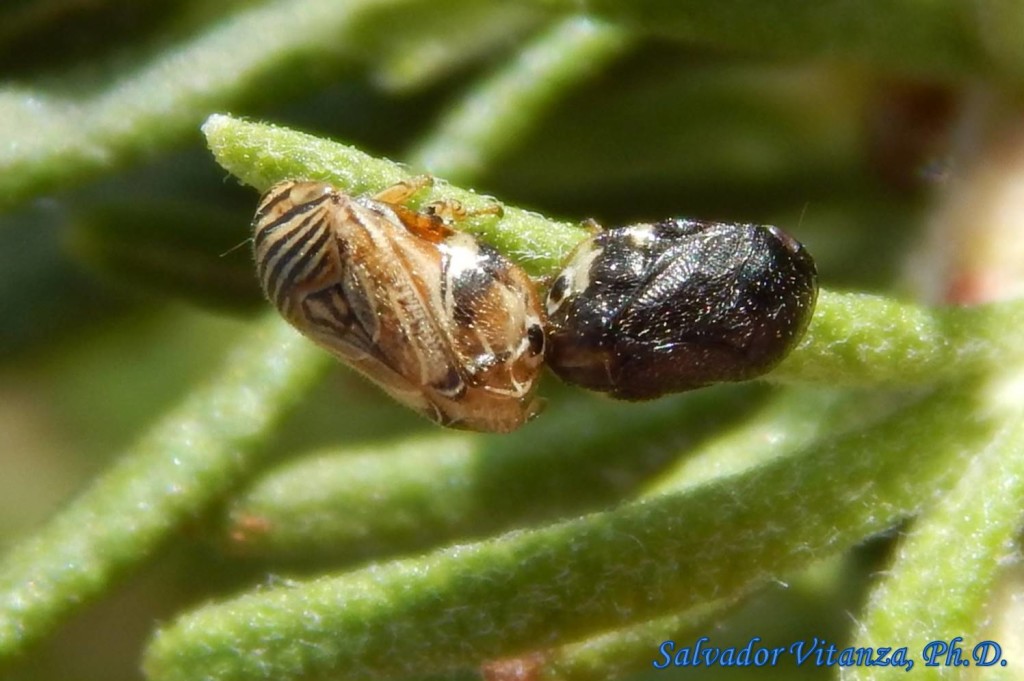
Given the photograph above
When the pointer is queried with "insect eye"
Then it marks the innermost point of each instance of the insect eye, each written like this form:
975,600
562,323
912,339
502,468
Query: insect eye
788,242
535,336
452,384
558,288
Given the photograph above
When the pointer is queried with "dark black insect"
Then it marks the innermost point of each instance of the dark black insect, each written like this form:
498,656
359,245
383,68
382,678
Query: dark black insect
650,309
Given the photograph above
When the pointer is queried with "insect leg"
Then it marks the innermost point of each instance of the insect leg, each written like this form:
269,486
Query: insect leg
402,191
452,210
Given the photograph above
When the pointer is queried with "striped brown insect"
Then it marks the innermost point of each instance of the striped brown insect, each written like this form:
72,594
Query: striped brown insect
443,323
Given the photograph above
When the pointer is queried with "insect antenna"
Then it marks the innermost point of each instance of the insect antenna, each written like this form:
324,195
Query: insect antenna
803,212
235,247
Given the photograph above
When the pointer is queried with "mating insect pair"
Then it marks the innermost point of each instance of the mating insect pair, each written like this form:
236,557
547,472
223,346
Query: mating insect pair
451,328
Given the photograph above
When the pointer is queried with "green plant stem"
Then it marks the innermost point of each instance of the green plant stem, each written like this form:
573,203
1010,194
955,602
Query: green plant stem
189,459
56,140
790,420
424,41
498,111
628,650
946,568
399,496
934,37
260,155
858,339
428,489
469,603
854,339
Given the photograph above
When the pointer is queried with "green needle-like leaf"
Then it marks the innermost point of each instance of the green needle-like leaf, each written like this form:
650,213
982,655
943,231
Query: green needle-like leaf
401,495
424,490
627,650
791,420
469,603
871,340
48,140
177,470
496,113
261,155
933,37
946,569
